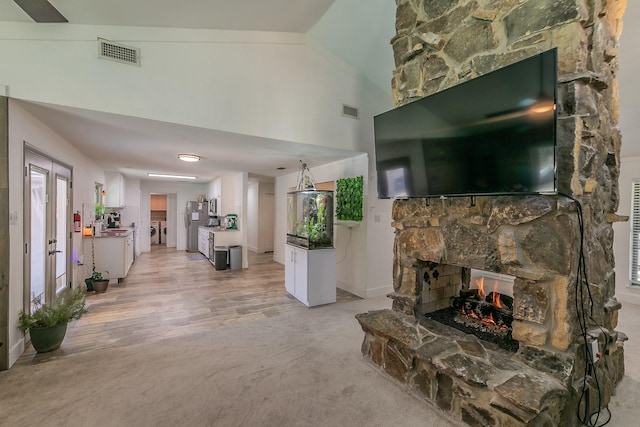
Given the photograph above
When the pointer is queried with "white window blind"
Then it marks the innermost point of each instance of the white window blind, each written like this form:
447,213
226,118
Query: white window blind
634,268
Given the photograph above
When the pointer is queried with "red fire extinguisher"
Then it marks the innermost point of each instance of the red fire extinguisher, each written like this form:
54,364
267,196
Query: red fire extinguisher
76,222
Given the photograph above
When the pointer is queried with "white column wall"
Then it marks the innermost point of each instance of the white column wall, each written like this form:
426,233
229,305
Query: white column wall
252,215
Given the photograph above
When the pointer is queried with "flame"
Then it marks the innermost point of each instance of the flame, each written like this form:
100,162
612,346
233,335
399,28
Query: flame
496,296
480,284
489,320
495,300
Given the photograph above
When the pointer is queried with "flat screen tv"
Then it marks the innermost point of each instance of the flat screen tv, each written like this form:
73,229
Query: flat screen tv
491,135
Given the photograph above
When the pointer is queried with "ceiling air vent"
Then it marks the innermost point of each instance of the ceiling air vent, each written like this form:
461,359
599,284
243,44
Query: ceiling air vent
117,52
349,111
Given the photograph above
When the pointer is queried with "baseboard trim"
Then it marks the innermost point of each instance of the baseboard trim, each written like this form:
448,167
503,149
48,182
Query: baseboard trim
628,298
379,291
16,351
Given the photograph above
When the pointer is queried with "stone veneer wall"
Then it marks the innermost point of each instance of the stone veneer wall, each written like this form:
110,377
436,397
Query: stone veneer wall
440,43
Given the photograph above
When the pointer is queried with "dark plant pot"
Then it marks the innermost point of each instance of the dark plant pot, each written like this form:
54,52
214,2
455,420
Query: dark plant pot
48,338
100,285
89,283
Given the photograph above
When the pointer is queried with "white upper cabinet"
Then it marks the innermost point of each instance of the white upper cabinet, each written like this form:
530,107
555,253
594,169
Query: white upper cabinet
114,187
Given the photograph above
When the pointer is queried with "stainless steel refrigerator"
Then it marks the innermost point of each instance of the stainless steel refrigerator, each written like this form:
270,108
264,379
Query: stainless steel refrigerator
196,215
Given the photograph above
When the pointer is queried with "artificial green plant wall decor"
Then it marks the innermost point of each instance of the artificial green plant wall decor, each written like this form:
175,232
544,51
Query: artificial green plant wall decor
349,193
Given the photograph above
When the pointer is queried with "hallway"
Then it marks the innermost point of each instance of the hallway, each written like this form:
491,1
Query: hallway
170,293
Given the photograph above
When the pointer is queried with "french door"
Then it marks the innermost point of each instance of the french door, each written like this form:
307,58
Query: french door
48,216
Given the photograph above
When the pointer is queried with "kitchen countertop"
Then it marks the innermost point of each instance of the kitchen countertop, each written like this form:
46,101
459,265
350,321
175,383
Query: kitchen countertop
114,232
218,229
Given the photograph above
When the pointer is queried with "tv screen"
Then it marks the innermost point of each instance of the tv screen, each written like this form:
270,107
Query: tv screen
494,134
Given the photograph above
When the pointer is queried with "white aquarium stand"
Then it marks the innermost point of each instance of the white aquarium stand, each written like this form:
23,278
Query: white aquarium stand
310,275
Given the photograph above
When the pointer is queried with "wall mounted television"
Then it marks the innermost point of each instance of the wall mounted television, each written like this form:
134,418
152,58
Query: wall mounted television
491,135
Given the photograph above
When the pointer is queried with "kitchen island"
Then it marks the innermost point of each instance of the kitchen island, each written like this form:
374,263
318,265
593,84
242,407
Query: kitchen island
209,237
113,251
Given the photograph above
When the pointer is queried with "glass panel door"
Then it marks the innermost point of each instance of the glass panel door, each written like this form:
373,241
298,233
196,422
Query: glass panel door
38,240
62,219
47,234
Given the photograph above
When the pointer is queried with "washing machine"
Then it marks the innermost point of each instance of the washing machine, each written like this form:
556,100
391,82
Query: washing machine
163,234
155,232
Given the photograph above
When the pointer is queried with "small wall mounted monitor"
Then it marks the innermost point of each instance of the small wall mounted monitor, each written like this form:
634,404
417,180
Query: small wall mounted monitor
494,134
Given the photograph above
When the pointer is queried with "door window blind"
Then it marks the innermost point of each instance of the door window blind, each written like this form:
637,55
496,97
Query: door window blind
634,268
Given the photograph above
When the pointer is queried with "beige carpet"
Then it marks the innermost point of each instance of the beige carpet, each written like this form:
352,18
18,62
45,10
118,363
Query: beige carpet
299,369
293,370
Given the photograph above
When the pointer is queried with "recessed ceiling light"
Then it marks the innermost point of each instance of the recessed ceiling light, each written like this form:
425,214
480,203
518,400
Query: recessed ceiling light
188,157
163,175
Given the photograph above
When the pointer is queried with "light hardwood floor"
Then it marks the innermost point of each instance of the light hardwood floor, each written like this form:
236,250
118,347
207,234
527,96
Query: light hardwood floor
169,293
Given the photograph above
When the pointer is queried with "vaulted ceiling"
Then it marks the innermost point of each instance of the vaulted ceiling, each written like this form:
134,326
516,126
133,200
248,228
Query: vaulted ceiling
342,21
367,25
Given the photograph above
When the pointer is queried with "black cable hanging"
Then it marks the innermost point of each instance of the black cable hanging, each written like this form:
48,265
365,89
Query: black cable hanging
582,282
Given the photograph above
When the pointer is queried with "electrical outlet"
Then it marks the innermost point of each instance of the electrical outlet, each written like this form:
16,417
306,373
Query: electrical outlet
376,218
595,352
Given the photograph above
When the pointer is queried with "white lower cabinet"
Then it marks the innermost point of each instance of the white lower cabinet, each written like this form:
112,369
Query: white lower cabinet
203,241
310,275
113,255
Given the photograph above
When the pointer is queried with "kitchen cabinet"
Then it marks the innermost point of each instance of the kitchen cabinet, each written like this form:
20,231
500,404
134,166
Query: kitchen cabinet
128,253
203,241
310,275
114,187
158,202
113,254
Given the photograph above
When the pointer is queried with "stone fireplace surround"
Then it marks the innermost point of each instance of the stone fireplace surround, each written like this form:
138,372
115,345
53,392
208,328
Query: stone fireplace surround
536,239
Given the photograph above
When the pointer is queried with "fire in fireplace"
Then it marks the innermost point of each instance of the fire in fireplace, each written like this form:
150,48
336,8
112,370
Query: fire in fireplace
483,307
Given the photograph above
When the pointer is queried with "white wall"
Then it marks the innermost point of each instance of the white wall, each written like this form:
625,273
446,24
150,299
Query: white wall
629,87
23,127
130,214
364,253
252,215
202,78
629,170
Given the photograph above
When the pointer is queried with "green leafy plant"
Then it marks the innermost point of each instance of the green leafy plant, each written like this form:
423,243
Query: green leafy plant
97,275
63,310
349,195
99,210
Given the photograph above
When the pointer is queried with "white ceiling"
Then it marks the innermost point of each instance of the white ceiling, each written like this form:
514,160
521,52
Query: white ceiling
296,16
136,146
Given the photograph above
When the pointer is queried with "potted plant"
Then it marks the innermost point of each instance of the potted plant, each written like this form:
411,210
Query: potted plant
47,324
99,284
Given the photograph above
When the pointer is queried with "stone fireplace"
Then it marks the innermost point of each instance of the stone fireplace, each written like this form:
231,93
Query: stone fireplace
561,308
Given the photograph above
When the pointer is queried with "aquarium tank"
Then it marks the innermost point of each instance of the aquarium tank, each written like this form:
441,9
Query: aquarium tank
310,218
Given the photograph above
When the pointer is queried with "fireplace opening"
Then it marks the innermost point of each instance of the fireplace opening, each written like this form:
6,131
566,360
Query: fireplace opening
478,302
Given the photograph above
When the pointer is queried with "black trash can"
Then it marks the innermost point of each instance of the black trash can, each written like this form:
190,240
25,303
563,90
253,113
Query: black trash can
220,257
235,257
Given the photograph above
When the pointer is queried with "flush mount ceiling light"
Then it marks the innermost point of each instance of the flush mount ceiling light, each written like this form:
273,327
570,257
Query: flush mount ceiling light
163,175
189,157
